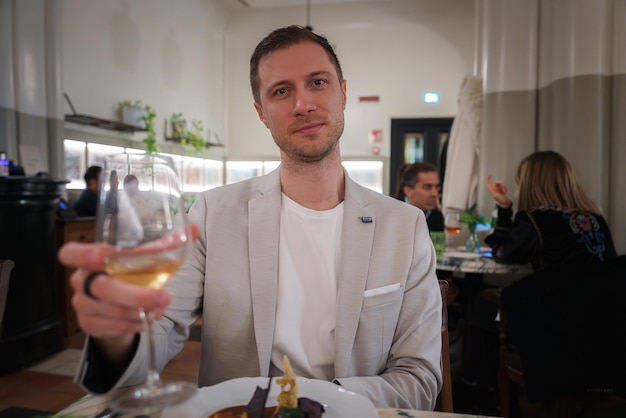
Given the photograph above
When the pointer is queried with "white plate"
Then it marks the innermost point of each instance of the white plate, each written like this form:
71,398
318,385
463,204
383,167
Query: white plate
340,403
481,249
466,256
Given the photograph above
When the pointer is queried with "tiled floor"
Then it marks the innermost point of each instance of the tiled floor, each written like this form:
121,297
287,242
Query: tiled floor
48,385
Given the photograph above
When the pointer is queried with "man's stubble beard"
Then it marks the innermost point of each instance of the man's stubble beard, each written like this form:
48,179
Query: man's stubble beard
313,153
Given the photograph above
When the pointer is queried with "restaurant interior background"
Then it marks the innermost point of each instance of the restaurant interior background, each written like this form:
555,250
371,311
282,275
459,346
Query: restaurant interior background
553,76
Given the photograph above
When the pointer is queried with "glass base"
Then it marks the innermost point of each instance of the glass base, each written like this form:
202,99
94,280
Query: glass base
148,399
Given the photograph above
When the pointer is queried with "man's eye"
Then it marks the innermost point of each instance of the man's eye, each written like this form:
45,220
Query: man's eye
319,82
280,92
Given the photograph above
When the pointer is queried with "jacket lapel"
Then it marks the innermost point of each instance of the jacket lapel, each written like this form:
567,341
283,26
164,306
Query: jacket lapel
263,227
356,246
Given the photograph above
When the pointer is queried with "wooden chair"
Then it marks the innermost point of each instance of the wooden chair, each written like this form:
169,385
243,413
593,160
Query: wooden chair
5,274
509,362
510,366
444,400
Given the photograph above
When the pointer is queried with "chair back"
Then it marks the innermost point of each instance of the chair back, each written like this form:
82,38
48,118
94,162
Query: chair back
569,325
5,274
444,400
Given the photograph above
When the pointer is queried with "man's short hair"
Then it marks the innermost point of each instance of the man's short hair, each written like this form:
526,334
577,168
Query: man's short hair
282,38
92,173
130,178
408,174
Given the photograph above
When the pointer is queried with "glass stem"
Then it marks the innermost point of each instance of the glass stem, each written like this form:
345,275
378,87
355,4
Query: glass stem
153,374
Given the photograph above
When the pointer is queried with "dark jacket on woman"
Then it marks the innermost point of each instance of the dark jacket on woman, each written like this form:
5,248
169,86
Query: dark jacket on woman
548,237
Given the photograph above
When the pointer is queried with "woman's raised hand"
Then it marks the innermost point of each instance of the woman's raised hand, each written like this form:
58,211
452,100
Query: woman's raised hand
498,190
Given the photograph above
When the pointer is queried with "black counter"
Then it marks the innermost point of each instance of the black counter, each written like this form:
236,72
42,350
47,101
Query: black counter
32,328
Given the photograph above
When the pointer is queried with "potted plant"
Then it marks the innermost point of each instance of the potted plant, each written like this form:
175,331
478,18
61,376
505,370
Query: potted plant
471,218
188,132
133,112
150,140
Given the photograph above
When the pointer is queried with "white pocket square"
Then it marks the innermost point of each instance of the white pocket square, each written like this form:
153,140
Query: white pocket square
381,290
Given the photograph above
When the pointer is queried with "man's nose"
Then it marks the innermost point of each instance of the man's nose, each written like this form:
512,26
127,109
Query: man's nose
304,103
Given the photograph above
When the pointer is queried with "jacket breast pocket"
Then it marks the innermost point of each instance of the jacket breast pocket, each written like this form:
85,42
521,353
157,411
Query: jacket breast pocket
377,325
382,295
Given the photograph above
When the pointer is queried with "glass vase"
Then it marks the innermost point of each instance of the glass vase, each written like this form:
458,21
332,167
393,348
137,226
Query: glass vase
472,245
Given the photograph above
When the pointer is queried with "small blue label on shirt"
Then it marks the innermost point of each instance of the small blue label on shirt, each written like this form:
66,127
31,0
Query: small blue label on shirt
366,219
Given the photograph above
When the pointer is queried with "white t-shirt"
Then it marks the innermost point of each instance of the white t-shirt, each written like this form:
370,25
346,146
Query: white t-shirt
307,289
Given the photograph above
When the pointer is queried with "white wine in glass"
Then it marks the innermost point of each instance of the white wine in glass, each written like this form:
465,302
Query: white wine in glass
142,217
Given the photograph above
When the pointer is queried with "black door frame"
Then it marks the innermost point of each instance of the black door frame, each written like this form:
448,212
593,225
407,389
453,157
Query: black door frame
432,128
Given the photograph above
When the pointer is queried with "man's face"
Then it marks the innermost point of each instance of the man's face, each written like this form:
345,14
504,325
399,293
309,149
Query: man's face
302,101
425,192
132,187
94,184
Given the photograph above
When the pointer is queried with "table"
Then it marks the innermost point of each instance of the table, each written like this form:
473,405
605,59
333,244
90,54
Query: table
478,272
91,405
480,265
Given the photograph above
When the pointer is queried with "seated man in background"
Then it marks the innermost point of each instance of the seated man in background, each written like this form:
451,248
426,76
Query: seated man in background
418,184
87,203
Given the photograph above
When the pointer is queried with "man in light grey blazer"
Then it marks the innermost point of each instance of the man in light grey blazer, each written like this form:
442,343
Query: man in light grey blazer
302,261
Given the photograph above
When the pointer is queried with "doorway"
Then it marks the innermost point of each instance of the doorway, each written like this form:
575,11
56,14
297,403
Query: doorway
418,140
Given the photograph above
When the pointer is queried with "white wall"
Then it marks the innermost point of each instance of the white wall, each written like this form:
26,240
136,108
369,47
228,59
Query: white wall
397,50
167,53
193,56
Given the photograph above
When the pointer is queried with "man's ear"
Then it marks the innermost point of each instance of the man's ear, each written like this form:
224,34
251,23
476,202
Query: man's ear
259,111
407,190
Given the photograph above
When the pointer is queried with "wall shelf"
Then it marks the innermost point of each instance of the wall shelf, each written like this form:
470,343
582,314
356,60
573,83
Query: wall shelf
102,123
207,144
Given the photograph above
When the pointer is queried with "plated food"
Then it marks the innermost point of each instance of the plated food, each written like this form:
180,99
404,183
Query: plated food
339,402
289,405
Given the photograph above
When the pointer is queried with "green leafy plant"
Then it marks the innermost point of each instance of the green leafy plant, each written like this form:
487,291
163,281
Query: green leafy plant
150,140
130,103
193,136
471,218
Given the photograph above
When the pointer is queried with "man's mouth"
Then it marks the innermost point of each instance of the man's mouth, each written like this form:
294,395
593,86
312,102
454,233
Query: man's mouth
310,128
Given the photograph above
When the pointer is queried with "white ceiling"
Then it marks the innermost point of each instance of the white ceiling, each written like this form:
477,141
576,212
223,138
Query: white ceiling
283,3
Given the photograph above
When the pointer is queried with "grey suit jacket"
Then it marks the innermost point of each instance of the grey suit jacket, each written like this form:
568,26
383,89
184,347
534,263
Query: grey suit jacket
387,346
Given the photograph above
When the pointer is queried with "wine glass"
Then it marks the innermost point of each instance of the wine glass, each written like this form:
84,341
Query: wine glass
145,222
453,222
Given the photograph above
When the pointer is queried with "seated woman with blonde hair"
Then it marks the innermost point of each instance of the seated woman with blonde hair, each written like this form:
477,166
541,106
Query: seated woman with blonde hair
556,221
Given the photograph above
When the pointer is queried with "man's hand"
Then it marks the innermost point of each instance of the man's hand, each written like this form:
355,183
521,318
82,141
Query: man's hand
111,317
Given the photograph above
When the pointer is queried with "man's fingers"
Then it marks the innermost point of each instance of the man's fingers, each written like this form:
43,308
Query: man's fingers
88,256
167,242
92,256
117,291
110,290
115,312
